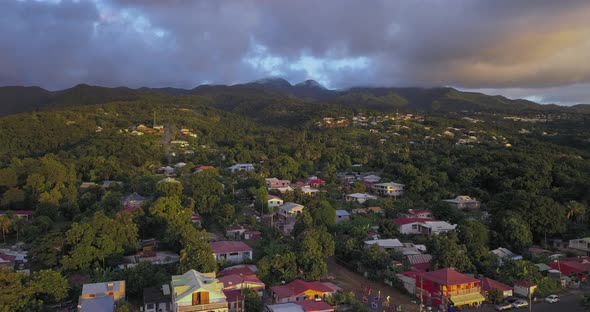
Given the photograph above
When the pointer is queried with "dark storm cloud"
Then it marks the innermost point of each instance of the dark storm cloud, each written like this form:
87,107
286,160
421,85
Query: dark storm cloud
530,46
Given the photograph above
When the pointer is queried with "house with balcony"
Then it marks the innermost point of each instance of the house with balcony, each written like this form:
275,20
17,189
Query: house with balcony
447,286
359,197
463,202
423,226
580,244
388,189
101,296
231,251
287,216
276,184
195,291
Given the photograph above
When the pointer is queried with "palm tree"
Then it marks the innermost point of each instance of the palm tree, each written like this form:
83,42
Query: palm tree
5,224
575,211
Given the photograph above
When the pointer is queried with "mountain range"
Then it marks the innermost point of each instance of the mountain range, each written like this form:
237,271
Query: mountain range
272,92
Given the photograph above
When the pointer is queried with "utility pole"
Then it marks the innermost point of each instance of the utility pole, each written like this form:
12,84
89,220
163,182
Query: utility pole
421,286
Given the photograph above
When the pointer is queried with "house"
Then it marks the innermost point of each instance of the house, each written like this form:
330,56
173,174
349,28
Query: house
273,201
274,183
287,216
109,184
300,306
388,189
385,244
252,235
342,215
418,213
359,197
240,269
195,291
571,268
503,254
463,202
99,297
301,290
26,215
237,282
488,284
448,286
524,288
581,244
422,226
418,261
86,185
315,182
151,256
231,251
235,300
7,261
204,168
241,167
371,178
196,220
157,299
309,191
235,231
133,200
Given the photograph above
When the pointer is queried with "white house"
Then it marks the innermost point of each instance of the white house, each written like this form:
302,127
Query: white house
388,189
359,197
386,244
342,215
231,251
241,167
582,244
524,288
463,202
309,191
423,226
504,253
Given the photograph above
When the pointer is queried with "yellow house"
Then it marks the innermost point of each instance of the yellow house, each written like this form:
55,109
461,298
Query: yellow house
301,290
195,291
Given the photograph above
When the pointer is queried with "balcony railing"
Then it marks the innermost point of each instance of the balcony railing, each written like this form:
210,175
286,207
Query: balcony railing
203,307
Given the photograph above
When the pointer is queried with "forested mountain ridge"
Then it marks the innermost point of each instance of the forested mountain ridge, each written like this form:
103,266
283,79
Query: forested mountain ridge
265,93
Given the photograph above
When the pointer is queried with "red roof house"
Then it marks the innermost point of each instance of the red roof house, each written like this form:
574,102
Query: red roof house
231,251
314,306
488,284
243,270
570,268
302,290
447,285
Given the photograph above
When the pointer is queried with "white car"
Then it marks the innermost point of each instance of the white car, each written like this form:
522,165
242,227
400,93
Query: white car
520,304
552,299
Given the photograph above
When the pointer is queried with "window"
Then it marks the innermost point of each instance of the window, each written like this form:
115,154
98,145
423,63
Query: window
233,254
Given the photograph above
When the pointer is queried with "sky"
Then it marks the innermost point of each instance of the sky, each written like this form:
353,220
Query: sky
533,49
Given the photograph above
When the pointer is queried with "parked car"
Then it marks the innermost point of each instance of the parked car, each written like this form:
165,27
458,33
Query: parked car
552,299
520,304
503,306
510,299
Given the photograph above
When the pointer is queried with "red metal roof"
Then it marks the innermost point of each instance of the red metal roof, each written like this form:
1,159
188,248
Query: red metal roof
244,270
233,295
488,284
298,287
448,277
402,221
525,284
250,281
570,267
222,247
314,306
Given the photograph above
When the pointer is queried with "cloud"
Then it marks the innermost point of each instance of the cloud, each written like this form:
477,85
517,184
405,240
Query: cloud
538,46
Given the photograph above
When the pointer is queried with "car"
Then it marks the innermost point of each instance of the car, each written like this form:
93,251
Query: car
503,306
510,299
552,299
520,304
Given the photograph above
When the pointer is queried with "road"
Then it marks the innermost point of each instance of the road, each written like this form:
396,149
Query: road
569,303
